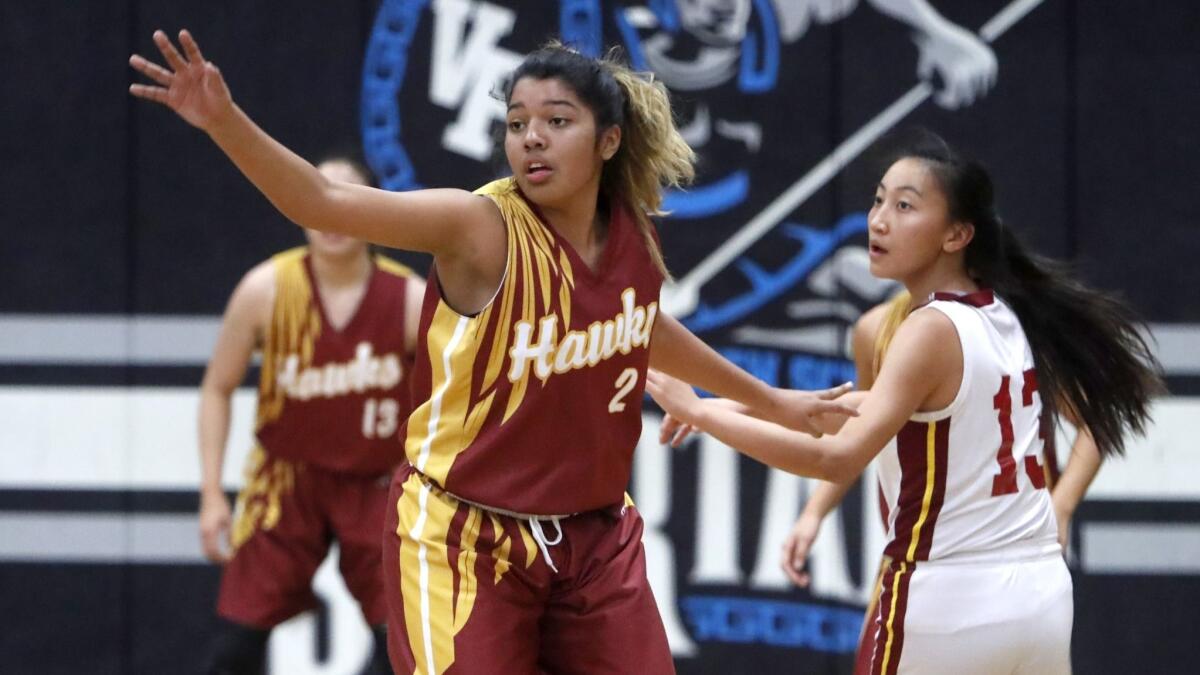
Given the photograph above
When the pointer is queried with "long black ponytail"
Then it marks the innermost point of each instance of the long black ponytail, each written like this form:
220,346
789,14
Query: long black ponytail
1089,348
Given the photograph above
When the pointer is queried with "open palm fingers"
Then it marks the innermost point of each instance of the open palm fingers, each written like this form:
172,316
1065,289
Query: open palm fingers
152,70
174,59
190,47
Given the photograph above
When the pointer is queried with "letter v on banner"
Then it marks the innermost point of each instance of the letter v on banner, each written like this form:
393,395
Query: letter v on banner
467,63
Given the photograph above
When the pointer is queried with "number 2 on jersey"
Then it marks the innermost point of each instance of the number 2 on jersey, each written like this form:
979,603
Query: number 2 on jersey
1005,482
624,385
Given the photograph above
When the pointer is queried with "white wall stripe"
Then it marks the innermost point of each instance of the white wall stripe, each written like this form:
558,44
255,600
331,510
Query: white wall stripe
1140,548
101,438
147,340
105,340
100,538
111,438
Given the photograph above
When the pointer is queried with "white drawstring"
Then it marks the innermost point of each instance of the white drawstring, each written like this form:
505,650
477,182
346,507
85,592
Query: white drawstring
535,522
535,528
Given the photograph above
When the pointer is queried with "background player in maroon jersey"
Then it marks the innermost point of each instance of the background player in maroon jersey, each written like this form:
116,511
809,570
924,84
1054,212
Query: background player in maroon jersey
934,227
337,326
590,145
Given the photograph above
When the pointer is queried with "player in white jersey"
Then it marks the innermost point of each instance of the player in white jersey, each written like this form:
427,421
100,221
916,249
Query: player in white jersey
975,580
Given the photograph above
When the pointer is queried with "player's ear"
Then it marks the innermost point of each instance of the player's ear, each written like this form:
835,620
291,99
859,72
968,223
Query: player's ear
958,236
609,142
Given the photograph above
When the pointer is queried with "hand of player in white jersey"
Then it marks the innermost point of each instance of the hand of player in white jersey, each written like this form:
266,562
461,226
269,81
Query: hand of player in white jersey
799,540
215,517
813,412
193,87
673,432
807,411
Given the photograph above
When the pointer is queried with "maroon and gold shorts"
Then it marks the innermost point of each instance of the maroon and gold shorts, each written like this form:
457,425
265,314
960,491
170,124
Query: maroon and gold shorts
287,516
470,590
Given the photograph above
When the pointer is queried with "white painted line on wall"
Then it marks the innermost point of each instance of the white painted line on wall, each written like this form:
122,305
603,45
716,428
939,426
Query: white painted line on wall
1140,548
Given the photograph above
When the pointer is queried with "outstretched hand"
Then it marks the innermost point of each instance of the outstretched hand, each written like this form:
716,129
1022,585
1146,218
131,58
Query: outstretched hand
801,410
673,432
192,87
675,397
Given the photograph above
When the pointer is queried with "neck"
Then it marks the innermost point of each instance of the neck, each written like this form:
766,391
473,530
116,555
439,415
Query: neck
939,278
340,271
577,219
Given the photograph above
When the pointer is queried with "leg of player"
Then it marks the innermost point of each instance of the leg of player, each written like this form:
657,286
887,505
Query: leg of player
237,650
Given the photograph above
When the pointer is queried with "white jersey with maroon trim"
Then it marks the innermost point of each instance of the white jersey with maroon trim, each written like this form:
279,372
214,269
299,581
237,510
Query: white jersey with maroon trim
969,480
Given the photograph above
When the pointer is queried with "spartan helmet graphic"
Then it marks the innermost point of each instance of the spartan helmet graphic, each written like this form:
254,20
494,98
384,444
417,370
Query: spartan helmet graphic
716,22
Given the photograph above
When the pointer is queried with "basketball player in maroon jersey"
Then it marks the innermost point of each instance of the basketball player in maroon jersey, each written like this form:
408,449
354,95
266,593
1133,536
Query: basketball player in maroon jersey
337,327
512,547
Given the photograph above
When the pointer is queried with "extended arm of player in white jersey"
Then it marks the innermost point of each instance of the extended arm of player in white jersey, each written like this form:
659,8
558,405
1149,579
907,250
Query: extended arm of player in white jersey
675,351
913,376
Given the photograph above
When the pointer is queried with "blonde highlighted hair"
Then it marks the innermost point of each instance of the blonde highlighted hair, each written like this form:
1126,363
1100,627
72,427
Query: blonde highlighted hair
899,308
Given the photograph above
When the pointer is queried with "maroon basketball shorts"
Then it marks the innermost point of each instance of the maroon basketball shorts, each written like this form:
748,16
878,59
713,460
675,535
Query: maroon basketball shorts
471,591
287,516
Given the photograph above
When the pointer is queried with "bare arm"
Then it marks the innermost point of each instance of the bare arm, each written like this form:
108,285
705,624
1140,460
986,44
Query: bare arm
827,496
1082,467
913,378
824,498
241,329
436,221
675,351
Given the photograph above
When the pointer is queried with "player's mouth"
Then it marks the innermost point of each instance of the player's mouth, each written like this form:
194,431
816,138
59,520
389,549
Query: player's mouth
876,250
537,172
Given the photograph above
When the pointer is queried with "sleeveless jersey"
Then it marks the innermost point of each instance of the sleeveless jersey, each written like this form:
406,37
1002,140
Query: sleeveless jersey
533,405
969,479
335,398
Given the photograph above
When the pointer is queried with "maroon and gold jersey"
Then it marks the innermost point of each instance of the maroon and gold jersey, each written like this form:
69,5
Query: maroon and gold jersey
335,398
534,404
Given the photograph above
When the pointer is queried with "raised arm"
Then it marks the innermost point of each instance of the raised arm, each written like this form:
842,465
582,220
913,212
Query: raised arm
242,329
435,221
